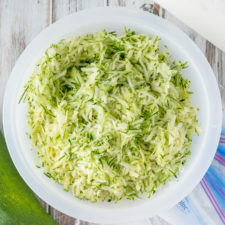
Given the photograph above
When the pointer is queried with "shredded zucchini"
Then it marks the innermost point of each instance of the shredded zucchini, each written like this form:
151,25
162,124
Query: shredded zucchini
110,117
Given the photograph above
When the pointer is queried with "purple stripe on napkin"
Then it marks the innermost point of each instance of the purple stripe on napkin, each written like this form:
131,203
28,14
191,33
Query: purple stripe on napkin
220,159
213,200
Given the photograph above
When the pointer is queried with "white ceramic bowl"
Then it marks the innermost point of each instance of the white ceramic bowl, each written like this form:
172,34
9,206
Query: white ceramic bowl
206,96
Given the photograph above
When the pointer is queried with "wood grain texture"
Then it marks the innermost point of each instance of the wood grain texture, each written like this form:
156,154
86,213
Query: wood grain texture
63,8
22,20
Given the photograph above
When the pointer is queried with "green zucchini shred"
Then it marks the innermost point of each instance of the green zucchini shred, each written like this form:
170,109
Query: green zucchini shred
110,116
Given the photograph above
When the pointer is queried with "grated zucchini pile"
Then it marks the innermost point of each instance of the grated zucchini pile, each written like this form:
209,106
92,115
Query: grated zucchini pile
110,117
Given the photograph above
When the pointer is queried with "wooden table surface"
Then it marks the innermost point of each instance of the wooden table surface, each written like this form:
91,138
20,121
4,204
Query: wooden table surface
22,20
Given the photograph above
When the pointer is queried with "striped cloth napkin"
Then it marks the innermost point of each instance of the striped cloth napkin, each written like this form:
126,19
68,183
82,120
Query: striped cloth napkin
206,204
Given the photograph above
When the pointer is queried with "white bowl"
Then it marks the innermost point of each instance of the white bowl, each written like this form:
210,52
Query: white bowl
206,96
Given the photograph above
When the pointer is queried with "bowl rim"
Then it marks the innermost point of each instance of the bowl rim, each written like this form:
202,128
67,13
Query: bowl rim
215,116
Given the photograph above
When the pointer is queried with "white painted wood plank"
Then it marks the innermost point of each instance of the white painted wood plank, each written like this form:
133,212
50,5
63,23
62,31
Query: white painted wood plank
86,4
127,3
20,22
61,8
220,69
